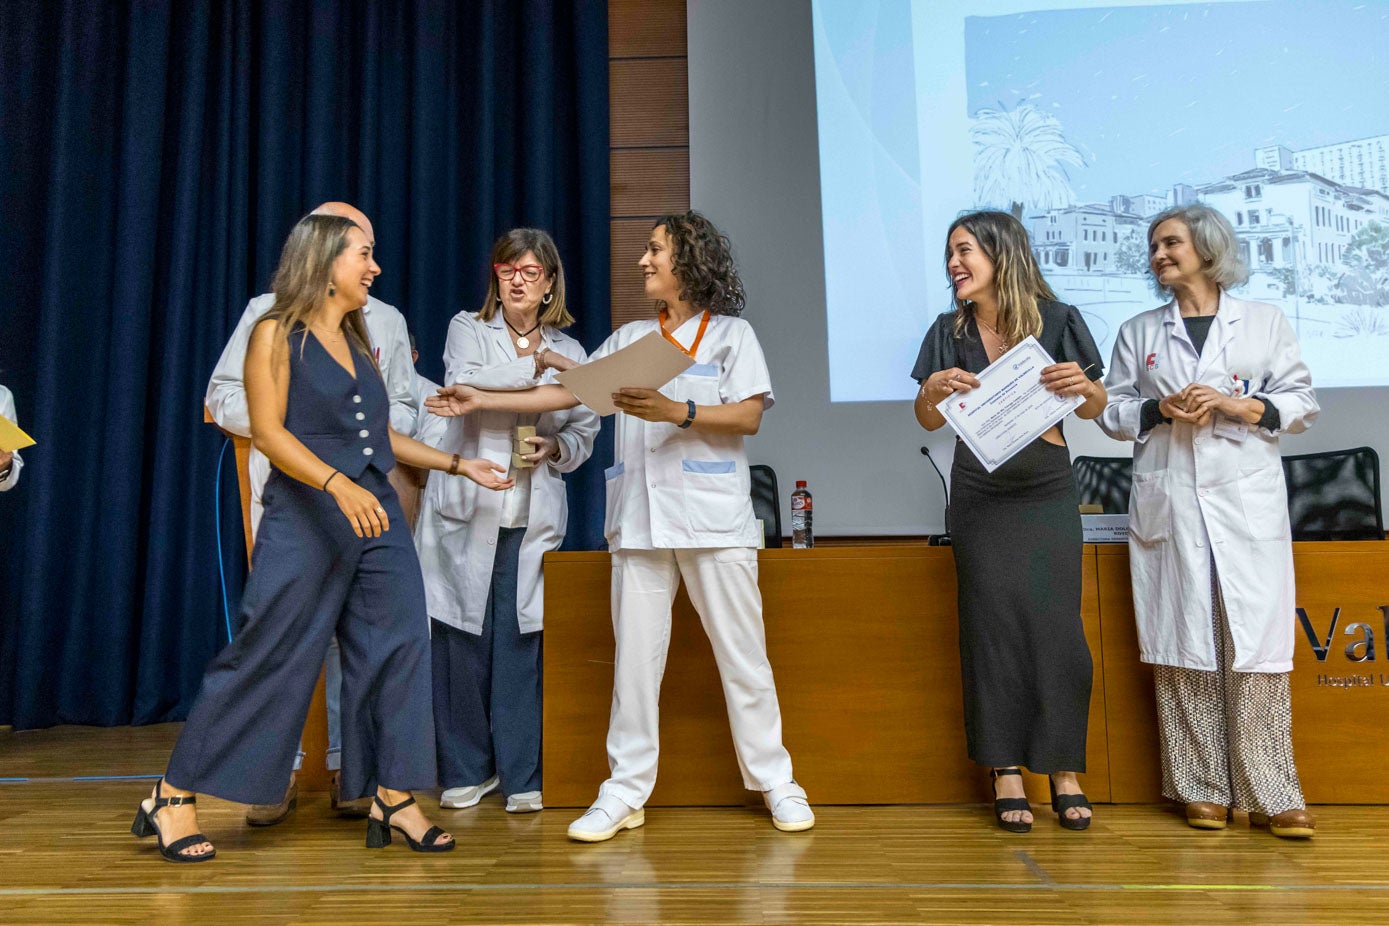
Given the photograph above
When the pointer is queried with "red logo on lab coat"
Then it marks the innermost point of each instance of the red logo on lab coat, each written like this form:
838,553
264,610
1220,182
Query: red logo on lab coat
1151,362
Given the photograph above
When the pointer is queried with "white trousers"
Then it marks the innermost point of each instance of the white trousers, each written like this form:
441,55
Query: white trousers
722,584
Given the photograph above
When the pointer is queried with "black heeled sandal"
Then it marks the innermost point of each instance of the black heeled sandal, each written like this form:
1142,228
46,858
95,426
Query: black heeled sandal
379,831
1004,804
145,825
1060,803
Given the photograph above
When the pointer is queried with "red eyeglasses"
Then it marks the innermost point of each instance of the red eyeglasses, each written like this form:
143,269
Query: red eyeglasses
529,272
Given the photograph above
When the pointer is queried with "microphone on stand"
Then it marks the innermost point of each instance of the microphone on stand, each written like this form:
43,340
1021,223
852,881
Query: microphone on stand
939,540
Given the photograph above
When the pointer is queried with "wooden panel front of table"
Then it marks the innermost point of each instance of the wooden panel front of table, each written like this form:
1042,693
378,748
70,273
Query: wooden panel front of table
863,641
864,644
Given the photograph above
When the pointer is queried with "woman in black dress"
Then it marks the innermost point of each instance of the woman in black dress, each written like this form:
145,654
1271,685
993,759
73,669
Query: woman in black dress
1016,531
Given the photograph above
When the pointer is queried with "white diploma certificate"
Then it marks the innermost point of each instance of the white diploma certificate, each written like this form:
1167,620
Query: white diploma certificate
648,362
1010,408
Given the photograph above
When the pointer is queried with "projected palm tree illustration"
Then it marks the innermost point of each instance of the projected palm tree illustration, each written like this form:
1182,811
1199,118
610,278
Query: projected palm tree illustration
1020,159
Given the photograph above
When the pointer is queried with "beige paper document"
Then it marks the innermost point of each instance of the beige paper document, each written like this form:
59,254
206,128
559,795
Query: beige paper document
648,363
12,438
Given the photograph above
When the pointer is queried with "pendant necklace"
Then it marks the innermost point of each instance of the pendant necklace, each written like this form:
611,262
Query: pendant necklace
522,341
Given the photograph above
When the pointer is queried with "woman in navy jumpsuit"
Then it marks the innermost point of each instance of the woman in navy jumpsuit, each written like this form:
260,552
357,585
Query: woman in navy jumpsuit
326,562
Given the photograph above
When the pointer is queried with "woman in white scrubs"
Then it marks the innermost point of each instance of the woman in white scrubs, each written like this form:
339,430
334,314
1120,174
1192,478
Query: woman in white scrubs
678,506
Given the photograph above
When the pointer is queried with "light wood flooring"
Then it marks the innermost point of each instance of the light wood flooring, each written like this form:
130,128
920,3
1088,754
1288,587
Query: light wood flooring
66,856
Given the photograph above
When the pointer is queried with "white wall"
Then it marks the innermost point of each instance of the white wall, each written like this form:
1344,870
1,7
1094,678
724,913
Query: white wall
754,170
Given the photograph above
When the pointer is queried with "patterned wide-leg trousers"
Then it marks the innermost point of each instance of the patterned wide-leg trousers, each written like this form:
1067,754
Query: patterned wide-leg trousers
1227,735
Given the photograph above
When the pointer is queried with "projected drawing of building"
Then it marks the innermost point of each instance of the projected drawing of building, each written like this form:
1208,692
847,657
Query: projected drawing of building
1361,163
1144,205
1077,237
1293,218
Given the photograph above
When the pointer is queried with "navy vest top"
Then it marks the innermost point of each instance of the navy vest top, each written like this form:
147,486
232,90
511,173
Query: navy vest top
345,422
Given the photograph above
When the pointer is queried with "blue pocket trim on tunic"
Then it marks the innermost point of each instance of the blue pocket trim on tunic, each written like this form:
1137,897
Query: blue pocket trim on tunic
612,472
702,369
709,467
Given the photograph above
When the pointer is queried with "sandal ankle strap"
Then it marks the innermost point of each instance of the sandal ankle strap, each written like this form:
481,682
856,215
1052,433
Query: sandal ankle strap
388,811
178,800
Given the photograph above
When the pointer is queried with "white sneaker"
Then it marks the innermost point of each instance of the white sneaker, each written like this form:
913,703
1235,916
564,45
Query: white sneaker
791,811
525,802
605,819
458,798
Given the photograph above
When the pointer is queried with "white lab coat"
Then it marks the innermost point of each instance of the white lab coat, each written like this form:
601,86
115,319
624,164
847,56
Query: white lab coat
674,488
226,391
16,464
457,532
1197,493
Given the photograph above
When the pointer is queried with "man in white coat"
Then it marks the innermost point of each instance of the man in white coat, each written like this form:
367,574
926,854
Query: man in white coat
10,462
226,402
1204,385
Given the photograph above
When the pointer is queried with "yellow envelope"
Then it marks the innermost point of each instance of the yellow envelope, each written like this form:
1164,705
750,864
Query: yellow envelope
12,438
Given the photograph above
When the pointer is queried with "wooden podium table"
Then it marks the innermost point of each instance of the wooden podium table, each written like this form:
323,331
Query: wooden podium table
864,644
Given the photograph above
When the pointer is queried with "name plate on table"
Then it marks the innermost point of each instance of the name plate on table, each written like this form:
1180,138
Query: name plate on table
1105,528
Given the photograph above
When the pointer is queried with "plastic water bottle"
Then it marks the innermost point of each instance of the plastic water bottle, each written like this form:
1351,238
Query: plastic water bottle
802,517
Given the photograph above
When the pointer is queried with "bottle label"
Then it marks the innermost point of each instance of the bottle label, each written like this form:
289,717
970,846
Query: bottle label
801,503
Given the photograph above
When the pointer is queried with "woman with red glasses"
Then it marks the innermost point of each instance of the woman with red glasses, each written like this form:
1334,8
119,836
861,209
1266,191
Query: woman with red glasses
481,552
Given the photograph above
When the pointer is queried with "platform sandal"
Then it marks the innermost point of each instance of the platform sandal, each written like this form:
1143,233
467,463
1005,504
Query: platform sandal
1060,803
146,825
1004,804
379,831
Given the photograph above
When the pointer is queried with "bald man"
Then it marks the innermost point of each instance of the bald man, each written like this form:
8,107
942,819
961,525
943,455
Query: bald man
226,401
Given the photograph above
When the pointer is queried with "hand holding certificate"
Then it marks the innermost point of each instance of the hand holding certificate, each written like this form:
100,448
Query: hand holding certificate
1010,408
648,363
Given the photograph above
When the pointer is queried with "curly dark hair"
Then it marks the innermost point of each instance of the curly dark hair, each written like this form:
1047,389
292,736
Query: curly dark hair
703,263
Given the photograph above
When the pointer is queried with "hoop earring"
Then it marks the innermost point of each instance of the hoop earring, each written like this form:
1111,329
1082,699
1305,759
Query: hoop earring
547,297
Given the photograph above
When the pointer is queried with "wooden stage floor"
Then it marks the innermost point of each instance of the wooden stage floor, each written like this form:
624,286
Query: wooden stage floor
66,856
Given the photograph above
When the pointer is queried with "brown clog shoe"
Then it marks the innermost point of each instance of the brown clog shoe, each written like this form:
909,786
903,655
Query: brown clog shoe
1290,824
270,814
1204,815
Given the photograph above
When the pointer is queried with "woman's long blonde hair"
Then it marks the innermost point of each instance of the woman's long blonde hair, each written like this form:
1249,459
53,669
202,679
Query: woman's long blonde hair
301,281
1018,280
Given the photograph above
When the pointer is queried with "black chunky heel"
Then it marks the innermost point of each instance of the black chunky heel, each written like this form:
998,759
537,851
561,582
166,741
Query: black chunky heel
142,826
378,834
379,831
1004,804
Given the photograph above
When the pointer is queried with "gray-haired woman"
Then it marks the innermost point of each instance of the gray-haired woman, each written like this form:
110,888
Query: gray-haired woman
1204,385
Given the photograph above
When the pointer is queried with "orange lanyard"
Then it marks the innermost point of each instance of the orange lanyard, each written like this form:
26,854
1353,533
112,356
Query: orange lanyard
693,348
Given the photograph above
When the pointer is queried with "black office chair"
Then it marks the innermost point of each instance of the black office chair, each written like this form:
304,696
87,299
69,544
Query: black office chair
1104,481
1335,495
766,503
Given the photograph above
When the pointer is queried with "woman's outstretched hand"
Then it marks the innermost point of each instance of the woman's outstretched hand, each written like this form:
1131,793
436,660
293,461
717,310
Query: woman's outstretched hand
454,401
485,473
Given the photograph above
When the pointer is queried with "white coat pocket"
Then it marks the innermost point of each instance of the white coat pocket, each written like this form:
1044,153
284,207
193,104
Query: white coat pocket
713,502
1265,502
452,496
612,505
1150,508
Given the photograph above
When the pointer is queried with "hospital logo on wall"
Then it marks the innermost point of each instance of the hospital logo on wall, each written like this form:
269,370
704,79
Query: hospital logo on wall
1151,362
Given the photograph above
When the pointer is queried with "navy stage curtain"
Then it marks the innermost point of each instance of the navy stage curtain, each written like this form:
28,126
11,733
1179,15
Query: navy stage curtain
153,156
